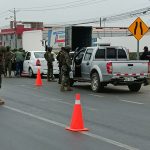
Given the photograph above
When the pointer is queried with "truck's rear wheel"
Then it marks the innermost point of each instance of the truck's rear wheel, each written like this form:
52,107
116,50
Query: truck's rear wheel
96,86
135,87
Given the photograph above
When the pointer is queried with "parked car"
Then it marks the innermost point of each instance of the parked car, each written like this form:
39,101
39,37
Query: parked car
35,59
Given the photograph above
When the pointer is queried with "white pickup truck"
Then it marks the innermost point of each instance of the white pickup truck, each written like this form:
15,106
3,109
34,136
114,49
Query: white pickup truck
109,65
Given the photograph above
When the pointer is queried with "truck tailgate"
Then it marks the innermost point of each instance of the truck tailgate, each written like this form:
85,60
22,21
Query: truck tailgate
130,67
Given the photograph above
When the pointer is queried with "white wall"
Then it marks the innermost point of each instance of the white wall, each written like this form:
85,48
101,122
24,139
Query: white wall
129,42
32,40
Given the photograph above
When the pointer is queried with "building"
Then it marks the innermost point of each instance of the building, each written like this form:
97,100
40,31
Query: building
13,36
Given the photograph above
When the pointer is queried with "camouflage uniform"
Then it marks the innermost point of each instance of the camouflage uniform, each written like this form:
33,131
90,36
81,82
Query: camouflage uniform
1,72
65,70
8,62
49,58
60,63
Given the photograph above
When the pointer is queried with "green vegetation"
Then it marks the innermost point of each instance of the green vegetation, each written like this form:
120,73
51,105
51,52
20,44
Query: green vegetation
133,55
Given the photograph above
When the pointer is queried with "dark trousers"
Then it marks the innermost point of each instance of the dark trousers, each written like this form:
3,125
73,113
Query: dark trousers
19,68
59,81
65,79
0,80
8,66
49,71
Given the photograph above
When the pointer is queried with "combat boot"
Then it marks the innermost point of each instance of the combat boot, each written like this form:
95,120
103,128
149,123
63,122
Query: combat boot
62,88
53,80
59,81
48,79
2,102
69,88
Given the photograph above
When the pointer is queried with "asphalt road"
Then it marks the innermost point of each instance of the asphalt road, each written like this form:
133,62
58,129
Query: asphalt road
35,118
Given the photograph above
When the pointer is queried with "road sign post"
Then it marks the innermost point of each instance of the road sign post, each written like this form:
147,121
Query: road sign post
138,47
138,28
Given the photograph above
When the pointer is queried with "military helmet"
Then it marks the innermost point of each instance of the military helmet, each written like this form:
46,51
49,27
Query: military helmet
62,48
67,48
49,48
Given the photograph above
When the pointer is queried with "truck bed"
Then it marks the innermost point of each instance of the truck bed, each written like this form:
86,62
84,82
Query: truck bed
131,68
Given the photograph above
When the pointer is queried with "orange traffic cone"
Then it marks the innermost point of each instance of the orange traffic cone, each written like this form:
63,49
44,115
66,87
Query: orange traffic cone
38,81
77,123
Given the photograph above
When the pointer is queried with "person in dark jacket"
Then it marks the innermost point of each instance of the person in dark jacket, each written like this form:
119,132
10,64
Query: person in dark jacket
49,58
145,54
59,59
19,56
1,72
65,70
8,61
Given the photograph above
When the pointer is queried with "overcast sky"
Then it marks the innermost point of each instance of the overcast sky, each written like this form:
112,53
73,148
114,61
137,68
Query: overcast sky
65,11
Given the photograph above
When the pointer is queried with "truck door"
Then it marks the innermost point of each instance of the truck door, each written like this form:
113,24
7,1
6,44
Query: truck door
78,60
86,64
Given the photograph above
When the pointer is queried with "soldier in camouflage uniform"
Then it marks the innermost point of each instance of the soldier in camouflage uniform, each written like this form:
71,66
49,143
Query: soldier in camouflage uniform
65,69
60,63
49,58
8,61
1,72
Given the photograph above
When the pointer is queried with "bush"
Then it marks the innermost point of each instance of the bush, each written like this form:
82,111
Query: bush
132,55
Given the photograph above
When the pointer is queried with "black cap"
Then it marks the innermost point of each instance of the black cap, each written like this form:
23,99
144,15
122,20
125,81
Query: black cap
145,48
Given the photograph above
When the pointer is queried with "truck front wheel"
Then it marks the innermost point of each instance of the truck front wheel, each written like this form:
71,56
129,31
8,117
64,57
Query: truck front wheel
96,86
135,87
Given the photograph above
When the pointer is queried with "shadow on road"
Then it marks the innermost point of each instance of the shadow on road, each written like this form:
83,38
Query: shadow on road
108,89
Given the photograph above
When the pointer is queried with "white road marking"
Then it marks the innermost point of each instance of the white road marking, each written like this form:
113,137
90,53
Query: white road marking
127,147
131,102
96,95
118,144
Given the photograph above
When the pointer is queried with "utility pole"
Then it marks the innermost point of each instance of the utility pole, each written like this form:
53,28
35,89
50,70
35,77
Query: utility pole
100,22
15,27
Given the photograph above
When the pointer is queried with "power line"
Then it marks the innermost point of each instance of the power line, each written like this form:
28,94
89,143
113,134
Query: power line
67,6
4,12
53,5
114,18
6,15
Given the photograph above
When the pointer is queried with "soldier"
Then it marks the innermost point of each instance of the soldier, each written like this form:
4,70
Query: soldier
19,58
65,69
49,58
1,72
8,61
60,63
145,54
